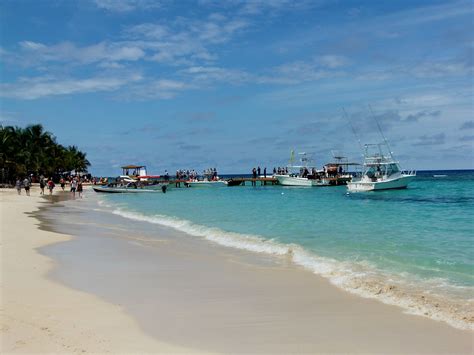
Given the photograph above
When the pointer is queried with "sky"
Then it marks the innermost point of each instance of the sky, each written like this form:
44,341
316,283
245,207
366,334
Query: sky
238,84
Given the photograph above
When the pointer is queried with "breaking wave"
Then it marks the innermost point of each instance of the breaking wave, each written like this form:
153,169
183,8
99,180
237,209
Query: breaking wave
415,296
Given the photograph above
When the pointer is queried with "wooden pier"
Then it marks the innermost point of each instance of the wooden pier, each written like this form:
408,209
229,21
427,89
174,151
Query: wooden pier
236,181
241,181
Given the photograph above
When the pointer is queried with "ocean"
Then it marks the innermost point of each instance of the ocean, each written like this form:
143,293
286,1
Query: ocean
413,248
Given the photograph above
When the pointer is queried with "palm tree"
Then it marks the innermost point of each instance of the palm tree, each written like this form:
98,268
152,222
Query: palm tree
32,150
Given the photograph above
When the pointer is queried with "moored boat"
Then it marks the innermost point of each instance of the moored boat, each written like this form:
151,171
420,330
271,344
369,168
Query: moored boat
299,175
381,171
130,188
209,179
206,183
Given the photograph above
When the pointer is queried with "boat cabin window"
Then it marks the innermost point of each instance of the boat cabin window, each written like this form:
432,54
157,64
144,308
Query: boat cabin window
370,172
392,169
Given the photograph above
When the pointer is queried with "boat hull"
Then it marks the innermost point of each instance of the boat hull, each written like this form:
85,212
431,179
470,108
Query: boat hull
320,183
286,180
118,190
219,183
397,183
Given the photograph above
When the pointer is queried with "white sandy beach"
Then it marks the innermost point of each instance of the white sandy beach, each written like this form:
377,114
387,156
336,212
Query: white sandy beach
40,316
214,299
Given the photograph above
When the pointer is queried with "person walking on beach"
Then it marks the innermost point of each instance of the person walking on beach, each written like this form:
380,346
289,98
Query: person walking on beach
63,183
18,185
42,185
26,185
73,187
51,185
79,188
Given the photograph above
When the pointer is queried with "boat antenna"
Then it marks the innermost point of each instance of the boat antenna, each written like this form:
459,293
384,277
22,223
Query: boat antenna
292,157
381,132
353,129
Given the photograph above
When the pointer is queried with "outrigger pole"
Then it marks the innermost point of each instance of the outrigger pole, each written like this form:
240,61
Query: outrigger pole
353,129
381,132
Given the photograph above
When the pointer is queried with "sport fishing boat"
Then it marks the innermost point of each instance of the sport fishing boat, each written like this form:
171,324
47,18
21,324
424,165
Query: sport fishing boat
381,171
206,183
305,175
210,179
337,171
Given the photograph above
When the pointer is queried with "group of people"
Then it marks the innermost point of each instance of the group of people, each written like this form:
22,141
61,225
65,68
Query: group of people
182,174
23,184
280,171
75,182
257,172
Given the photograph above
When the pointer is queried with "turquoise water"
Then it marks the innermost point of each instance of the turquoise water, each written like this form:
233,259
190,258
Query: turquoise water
420,239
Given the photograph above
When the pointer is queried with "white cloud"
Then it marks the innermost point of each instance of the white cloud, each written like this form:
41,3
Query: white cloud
29,45
35,53
161,89
35,88
206,75
185,41
333,61
306,71
126,5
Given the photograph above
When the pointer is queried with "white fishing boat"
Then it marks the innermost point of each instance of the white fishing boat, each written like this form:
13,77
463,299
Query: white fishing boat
206,183
381,171
209,179
293,180
299,175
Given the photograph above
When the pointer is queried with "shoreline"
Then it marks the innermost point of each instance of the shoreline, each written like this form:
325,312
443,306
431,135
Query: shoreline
412,300
292,303
42,316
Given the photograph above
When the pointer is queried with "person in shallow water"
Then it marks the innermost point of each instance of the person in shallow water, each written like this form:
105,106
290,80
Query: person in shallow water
73,187
42,185
26,185
18,186
79,188
51,185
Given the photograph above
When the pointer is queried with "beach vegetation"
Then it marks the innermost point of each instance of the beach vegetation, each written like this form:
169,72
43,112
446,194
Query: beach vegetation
34,151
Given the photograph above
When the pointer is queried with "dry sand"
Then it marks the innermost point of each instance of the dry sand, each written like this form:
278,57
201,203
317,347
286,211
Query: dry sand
41,316
185,292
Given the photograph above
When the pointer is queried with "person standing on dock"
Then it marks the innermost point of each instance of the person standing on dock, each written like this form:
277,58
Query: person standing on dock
254,175
265,172
258,171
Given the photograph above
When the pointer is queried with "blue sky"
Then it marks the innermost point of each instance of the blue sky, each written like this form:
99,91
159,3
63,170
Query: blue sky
197,84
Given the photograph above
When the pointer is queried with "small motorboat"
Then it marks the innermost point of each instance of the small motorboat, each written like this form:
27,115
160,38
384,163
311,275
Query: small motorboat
130,188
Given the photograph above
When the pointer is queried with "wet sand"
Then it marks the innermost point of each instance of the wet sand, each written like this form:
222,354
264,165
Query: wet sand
191,293
38,315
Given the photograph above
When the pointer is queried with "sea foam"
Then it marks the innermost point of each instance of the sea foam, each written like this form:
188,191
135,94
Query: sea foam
357,277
